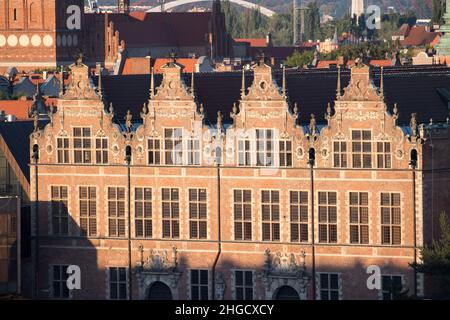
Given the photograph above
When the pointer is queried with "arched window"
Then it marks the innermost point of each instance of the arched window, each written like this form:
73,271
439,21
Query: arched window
15,14
33,12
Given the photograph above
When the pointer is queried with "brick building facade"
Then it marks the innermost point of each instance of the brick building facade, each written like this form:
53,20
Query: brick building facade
262,207
38,34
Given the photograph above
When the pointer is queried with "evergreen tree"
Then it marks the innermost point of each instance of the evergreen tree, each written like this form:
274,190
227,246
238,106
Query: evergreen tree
436,261
312,21
438,12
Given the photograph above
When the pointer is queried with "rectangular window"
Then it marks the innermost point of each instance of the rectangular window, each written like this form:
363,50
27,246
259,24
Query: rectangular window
242,215
270,209
243,285
143,212
193,152
199,284
60,213
383,155
359,217
154,151
101,150
391,287
299,216
173,146
328,217
82,145
340,154
329,286
171,213
59,282
198,214
116,212
118,283
88,211
63,150
391,219
244,152
285,153
264,147
362,149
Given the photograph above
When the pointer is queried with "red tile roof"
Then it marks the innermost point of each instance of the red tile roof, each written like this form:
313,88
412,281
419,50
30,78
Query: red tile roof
19,108
323,64
419,36
189,64
403,31
136,66
253,42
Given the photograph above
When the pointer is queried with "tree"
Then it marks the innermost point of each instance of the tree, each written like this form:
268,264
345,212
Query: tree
438,12
436,261
299,59
312,21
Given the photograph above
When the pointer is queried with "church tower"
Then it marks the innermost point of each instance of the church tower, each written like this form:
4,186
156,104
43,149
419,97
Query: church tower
39,33
123,6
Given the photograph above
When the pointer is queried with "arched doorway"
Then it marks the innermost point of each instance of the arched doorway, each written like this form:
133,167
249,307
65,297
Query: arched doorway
159,291
286,293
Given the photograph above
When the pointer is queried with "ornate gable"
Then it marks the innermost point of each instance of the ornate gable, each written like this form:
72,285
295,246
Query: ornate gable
361,87
80,87
172,86
264,87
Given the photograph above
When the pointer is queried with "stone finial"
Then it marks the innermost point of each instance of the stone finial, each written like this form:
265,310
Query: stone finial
219,119
173,58
144,111
202,109
261,58
283,90
243,84
36,121
79,60
413,124
152,83
422,131
295,110
313,125
382,83
128,119
192,84
339,89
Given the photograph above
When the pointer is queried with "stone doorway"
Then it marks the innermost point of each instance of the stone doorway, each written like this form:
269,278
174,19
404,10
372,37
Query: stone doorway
159,291
286,293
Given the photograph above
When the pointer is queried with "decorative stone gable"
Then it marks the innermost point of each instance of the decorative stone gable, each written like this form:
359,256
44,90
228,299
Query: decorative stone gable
81,107
361,87
80,87
264,87
172,86
361,108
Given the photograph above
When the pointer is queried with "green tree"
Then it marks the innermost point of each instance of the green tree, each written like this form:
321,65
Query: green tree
438,12
312,21
299,60
436,261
